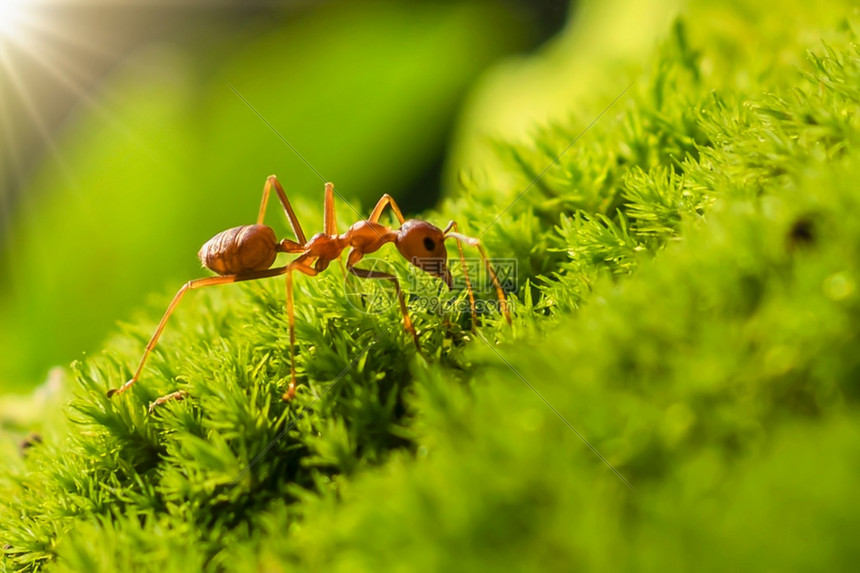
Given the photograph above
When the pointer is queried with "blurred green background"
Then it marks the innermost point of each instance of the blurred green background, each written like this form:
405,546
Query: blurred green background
124,147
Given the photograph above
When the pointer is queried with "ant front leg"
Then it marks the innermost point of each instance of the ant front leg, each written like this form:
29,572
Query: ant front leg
453,225
474,242
352,259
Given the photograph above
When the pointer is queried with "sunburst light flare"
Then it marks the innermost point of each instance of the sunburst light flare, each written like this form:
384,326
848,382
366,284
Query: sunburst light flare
47,63
13,16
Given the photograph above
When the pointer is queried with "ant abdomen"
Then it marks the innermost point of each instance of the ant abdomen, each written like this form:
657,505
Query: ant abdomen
240,250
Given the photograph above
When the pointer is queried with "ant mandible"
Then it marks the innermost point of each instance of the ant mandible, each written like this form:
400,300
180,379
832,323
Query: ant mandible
246,253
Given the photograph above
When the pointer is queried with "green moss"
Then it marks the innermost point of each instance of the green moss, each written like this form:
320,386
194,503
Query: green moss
688,302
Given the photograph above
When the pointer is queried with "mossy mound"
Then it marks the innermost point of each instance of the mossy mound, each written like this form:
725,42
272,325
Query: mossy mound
678,390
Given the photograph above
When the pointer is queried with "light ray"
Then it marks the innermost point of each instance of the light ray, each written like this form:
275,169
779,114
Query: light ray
63,69
12,174
17,84
41,26
30,41
13,13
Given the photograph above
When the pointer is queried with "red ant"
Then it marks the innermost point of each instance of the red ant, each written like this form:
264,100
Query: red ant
246,253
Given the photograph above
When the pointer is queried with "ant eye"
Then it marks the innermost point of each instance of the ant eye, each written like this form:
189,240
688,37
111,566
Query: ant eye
429,244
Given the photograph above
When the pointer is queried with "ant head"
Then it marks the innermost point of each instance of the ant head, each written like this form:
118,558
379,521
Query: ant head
423,245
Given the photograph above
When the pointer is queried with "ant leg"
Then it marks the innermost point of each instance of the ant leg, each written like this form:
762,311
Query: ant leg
384,202
472,241
453,225
330,221
288,246
329,215
190,285
354,257
298,264
272,181
178,395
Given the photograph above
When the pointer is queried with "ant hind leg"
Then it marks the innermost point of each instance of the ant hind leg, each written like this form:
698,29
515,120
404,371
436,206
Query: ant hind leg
190,285
178,395
271,182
